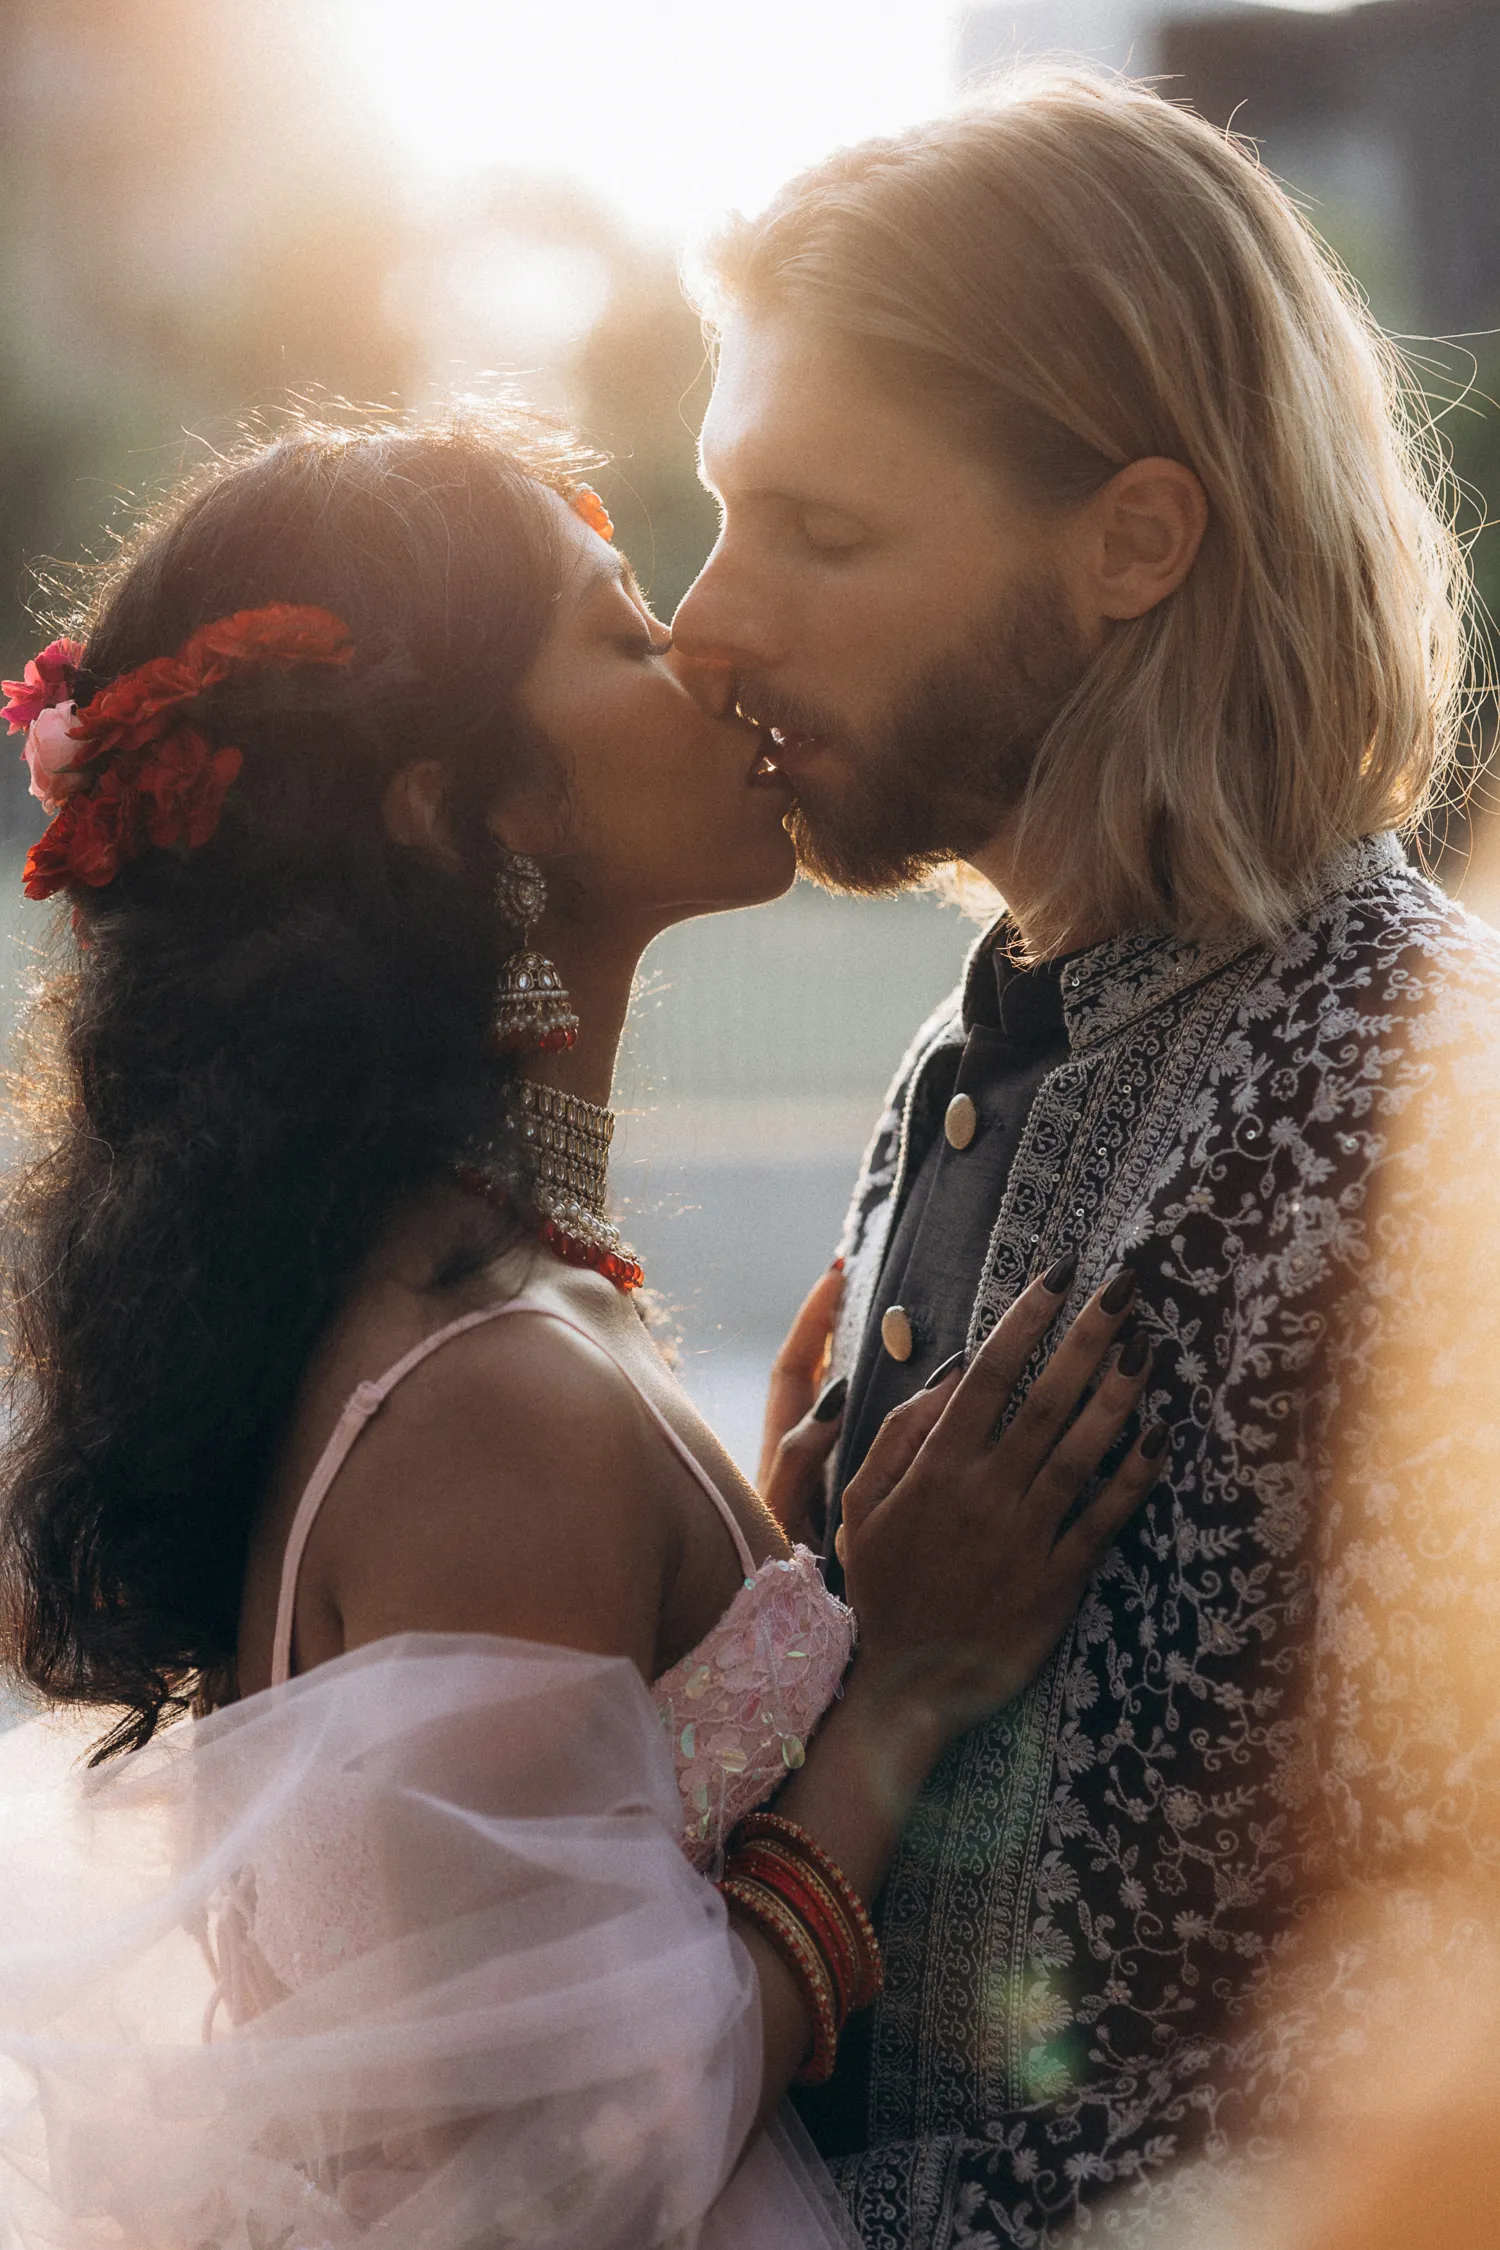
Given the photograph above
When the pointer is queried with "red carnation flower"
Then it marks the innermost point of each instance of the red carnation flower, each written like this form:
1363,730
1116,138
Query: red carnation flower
85,844
102,838
281,633
47,862
181,787
141,776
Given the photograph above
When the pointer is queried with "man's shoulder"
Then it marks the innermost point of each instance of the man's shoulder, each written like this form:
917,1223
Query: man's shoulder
1394,944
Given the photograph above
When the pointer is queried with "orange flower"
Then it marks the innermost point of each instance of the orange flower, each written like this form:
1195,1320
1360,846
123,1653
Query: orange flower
586,502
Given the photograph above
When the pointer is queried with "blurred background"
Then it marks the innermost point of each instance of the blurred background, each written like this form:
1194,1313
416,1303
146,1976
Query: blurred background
213,207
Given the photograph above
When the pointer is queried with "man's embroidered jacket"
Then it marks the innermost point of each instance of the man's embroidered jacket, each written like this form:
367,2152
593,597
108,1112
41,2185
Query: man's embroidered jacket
1282,1685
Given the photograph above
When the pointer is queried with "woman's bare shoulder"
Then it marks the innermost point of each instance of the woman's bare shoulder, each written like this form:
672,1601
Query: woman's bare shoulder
512,1483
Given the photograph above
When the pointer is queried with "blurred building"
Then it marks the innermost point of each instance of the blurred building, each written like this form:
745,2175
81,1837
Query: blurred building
1120,34
1379,114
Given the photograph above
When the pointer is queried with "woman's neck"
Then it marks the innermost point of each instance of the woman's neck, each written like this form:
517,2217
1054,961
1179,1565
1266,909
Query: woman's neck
600,977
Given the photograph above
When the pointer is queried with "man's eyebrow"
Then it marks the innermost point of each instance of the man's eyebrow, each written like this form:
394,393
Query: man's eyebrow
778,495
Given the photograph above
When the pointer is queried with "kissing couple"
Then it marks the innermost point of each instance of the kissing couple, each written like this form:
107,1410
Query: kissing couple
508,1826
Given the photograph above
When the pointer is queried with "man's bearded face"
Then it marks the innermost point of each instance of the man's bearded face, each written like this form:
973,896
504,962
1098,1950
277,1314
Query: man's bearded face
937,779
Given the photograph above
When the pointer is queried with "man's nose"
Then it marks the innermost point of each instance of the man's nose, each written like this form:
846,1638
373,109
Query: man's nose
719,620
709,680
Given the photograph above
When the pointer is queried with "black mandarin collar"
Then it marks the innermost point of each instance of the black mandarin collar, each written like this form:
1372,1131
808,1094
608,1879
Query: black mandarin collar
1024,1004
1107,987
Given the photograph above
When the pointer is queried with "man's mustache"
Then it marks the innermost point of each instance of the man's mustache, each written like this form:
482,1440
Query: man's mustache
765,707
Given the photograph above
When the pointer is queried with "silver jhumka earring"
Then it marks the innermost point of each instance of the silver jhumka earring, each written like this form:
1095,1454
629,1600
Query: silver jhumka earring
533,1014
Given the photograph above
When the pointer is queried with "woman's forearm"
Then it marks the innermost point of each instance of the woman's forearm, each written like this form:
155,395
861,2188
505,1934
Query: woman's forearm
869,1759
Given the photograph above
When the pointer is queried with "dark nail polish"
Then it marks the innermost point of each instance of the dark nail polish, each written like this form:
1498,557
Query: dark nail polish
1059,1278
1119,1293
1156,1440
831,1401
941,1374
1136,1353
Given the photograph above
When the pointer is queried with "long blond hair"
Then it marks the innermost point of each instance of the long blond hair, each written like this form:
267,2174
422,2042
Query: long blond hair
1076,274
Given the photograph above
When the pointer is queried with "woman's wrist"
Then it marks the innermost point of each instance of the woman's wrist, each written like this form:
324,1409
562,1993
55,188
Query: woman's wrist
868,1761
921,1700
899,1703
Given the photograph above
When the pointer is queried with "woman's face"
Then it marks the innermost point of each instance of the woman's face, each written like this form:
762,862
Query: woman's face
666,812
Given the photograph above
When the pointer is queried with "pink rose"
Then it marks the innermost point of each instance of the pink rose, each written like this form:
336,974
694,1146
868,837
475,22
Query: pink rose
49,750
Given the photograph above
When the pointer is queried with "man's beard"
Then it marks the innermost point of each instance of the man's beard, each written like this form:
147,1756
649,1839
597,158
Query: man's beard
953,760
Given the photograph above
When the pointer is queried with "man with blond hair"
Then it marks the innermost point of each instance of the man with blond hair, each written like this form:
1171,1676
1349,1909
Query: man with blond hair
1076,527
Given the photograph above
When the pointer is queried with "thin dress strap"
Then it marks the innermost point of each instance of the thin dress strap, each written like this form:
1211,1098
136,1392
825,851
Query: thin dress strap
367,1400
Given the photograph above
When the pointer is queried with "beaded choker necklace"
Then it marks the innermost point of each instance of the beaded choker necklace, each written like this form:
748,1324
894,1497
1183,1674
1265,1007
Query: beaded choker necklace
565,1141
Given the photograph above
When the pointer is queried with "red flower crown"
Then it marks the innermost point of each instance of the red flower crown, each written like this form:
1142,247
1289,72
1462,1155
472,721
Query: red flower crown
131,772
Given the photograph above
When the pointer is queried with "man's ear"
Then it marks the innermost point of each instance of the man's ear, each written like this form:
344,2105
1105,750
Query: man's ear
415,811
1135,541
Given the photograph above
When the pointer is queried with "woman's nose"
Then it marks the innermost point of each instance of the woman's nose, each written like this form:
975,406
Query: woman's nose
709,680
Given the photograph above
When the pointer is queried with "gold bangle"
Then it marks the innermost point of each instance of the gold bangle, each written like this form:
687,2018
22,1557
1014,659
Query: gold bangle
764,1859
768,1912
775,1829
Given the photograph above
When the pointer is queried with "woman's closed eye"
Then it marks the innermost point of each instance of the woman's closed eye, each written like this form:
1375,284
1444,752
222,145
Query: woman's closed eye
829,531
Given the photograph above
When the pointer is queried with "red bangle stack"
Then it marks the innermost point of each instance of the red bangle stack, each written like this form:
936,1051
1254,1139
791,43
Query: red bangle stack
786,1886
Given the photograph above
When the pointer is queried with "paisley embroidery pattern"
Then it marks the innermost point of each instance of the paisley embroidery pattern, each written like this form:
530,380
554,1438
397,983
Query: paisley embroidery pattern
1261,1698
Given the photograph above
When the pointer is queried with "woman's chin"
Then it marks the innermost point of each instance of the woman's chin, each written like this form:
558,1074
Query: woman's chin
775,869
766,872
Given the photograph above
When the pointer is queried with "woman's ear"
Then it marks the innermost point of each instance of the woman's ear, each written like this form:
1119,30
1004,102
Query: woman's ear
1135,541
415,809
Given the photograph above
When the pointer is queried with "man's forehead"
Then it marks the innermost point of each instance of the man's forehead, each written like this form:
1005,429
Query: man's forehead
788,412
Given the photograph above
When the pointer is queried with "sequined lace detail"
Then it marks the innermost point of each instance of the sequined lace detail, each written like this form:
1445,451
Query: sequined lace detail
739,1708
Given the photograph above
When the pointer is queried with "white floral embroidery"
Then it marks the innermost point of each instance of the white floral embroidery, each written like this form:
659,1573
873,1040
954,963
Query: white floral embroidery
1270,1690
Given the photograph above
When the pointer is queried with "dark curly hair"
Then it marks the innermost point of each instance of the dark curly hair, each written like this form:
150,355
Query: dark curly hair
259,1047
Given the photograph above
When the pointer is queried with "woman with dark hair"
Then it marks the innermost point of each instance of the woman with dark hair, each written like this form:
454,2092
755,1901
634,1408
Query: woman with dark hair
451,1655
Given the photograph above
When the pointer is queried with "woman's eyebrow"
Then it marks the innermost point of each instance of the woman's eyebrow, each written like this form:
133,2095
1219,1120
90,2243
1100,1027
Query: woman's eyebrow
617,574
614,569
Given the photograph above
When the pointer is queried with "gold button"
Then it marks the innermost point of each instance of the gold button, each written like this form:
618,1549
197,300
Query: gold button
895,1332
962,1121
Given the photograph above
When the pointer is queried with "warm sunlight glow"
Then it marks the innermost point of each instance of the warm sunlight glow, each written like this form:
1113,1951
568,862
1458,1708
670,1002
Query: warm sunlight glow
668,112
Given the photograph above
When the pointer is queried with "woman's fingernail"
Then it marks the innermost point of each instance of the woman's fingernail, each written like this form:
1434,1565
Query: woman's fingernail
831,1400
1154,1443
941,1374
1136,1353
837,1266
1059,1278
1119,1293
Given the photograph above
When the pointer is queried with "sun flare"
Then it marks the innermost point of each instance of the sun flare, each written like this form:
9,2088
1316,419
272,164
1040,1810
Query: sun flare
667,113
